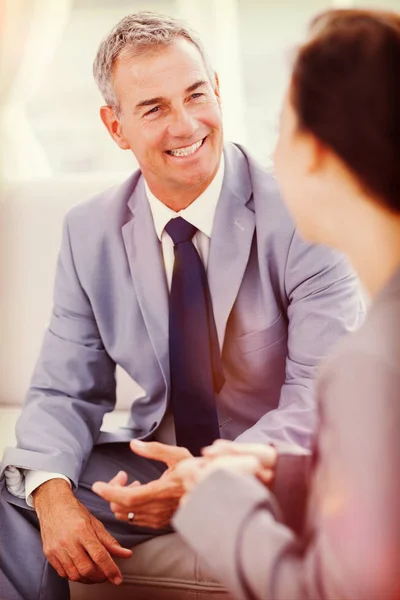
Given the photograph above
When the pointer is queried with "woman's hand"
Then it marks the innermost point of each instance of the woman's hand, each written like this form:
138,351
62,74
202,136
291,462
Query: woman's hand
266,453
189,473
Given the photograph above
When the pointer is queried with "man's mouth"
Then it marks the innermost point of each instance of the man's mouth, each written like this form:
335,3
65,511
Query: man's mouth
187,150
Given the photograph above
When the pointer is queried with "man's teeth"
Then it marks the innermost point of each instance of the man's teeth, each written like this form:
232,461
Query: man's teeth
186,151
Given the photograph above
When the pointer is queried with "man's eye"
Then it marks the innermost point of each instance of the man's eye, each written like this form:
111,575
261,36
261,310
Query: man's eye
153,111
197,95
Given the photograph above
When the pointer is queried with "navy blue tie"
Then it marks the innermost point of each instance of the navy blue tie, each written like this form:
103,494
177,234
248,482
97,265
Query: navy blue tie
195,361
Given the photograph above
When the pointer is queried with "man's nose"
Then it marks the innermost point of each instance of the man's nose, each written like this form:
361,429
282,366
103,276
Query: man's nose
182,124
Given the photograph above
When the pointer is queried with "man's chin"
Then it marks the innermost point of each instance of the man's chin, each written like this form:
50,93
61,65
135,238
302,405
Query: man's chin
198,175
191,180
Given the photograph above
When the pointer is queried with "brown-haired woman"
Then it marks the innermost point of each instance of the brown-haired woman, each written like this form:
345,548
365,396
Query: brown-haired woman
338,163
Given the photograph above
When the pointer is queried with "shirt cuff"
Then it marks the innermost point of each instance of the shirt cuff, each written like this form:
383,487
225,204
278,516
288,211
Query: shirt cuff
15,481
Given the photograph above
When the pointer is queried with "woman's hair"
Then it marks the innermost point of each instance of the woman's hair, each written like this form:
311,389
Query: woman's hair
346,91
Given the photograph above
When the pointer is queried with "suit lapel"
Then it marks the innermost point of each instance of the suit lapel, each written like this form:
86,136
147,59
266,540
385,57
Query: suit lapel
147,269
231,238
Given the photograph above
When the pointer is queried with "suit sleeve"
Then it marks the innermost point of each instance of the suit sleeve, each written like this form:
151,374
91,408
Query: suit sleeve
324,303
352,543
73,384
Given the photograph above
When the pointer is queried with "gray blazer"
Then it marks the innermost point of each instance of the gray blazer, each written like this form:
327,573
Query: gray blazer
279,307
349,547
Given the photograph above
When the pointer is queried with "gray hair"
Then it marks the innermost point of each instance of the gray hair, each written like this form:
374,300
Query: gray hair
135,35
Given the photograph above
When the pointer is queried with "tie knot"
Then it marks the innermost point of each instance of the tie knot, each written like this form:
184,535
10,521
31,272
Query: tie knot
180,230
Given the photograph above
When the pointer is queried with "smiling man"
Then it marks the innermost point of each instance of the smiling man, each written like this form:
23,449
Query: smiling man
176,137
191,276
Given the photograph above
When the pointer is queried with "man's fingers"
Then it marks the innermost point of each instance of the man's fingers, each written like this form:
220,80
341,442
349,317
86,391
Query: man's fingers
154,521
120,478
112,545
125,496
68,565
55,563
134,484
120,551
88,570
116,507
112,493
121,516
157,451
103,560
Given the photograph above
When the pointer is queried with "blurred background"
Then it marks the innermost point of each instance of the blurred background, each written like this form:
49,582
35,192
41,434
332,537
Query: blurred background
55,152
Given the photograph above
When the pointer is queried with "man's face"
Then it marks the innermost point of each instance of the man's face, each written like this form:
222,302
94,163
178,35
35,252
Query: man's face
170,116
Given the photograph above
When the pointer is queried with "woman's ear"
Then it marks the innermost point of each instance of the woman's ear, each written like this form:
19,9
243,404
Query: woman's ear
315,152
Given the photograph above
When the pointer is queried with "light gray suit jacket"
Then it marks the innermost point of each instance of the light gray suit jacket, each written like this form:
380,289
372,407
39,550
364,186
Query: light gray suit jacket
349,547
279,307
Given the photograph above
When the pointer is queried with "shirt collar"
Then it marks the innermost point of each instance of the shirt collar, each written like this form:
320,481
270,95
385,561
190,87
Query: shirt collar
200,213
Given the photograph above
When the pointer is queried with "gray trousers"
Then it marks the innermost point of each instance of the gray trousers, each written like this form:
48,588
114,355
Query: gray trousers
25,574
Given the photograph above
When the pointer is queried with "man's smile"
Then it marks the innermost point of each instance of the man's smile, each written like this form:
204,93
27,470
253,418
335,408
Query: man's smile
186,150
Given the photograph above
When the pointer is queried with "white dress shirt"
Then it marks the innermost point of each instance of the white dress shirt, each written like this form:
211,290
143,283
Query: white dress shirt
200,213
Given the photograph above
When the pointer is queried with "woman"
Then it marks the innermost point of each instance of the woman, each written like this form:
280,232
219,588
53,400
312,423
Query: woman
338,163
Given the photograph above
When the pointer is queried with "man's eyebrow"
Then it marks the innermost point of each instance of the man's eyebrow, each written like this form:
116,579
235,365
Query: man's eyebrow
195,85
150,102
161,99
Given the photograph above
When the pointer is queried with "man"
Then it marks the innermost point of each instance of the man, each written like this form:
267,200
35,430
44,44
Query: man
191,276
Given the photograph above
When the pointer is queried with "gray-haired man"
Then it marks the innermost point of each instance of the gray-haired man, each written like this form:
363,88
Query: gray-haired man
270,306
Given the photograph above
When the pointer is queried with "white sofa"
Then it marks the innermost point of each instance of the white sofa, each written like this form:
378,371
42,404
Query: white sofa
31,215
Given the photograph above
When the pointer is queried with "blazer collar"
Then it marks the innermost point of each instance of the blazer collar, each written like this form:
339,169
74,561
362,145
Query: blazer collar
231,237
144,254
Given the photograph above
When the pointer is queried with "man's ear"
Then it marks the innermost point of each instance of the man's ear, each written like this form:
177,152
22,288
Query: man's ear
216,86
114,127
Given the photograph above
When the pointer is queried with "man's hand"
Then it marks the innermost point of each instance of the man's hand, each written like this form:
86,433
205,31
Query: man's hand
154,503
75,543
170,455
